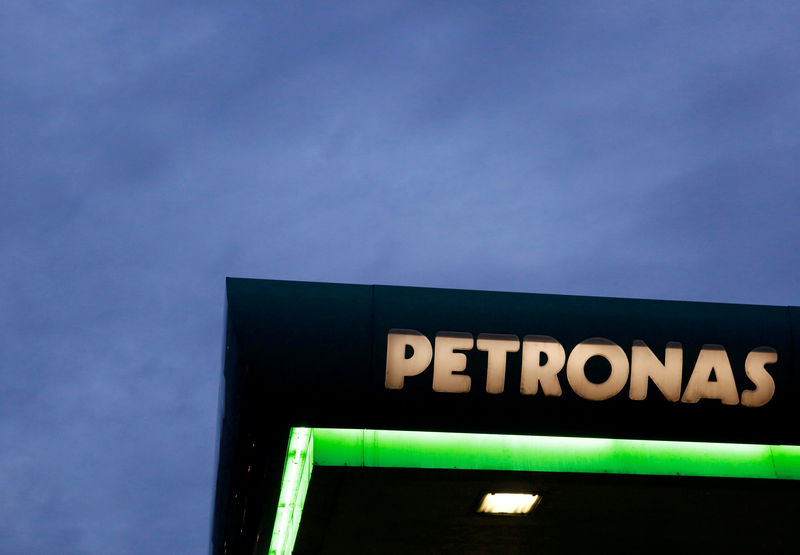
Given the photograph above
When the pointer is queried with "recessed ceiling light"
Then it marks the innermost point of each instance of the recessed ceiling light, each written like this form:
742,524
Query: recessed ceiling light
508,503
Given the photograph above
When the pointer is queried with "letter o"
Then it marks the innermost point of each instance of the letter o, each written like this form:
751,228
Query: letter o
576,375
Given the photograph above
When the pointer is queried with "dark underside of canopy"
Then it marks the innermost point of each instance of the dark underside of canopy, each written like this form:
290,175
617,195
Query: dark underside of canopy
363,510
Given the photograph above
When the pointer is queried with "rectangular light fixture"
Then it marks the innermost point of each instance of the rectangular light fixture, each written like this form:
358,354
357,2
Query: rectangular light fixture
309,447
508,503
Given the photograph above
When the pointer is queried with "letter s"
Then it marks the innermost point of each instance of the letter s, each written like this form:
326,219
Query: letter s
765,385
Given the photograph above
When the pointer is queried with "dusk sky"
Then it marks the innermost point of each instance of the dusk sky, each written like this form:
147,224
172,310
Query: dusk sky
150,149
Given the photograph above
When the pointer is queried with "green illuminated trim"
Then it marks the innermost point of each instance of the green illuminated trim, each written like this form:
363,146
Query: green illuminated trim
296,475
385,448
402,449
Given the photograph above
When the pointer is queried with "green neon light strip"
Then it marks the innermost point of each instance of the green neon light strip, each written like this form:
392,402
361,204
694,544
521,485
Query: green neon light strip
402,449
296,476
384,448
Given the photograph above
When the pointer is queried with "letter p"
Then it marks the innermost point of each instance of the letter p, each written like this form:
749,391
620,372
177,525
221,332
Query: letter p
398,366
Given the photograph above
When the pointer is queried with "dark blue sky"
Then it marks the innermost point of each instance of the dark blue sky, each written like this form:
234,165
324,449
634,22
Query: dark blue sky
149,149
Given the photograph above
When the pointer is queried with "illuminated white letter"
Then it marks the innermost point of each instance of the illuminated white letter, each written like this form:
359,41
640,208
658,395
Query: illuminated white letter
712,358
446,362
667,376
534,373
497,346
397,365
765,385
613,353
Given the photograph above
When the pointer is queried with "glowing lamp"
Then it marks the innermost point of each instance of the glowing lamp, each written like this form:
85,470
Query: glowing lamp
508,503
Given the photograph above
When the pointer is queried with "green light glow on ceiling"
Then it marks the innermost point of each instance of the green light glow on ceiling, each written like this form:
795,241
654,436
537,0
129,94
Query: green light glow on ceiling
402,449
